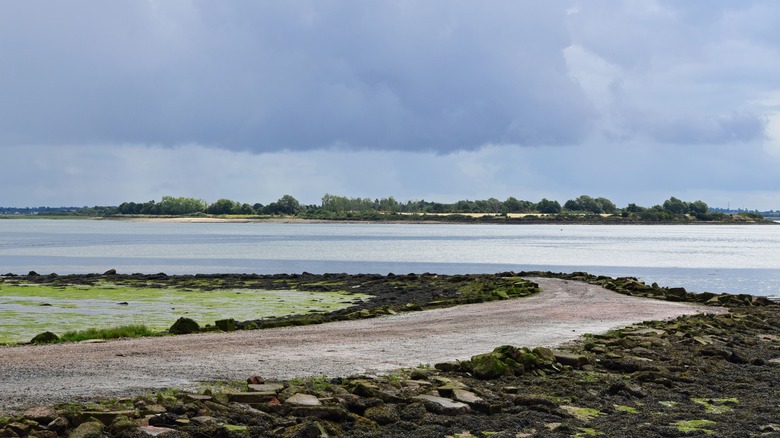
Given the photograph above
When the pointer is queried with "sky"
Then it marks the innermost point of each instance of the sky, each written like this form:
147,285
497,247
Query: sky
635,101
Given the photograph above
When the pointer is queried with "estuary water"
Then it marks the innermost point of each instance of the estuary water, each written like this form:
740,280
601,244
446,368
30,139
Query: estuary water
715,258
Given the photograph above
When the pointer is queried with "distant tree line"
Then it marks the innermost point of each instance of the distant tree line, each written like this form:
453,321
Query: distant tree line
342,207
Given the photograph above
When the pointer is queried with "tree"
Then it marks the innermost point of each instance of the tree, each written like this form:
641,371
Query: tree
606,205
675,206
549,207
171,205
698,207
285,205
222,206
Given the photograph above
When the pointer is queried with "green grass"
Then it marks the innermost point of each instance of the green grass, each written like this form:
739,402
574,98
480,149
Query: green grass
127,331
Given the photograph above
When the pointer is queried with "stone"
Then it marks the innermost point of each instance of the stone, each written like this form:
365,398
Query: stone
110,272
571,359
383,414
90,429
250,397
58,424
184,326
198,397
45,338
105,417
155,430
444,406
301,399
18,428
226,325
489,366
332,413
204,420
122,424
41,414
266,387
466,396
255,380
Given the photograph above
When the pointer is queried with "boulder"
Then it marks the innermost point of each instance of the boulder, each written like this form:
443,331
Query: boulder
90,429
226,325
184,326
444,406
41,414
303,400
45,338
489,366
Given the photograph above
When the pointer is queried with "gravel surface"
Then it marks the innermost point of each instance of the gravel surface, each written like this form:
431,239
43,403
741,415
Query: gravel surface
563,311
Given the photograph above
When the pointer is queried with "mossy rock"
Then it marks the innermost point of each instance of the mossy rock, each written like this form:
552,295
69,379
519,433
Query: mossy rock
490,366
183,326
45,338
226,325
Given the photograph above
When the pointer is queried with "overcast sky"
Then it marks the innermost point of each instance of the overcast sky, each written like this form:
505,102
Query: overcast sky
636,101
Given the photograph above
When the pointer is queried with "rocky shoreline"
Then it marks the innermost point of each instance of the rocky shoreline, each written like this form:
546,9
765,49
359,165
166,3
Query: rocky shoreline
693,376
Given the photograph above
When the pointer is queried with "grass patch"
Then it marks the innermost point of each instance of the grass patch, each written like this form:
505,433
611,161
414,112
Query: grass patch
126,331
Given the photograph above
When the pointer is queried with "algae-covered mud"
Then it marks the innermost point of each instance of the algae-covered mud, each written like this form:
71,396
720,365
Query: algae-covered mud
27,309
34,304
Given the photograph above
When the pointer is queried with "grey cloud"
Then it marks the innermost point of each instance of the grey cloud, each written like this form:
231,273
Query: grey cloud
301,75
730,128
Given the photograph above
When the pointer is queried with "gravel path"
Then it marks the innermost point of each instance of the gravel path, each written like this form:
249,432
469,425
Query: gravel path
563,311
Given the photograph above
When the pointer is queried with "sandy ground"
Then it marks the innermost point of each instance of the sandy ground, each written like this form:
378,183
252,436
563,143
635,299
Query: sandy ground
562,312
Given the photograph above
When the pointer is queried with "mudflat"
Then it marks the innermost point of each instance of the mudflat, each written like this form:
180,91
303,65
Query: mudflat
563,311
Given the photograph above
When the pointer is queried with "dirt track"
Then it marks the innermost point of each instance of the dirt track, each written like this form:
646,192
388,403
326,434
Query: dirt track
563,311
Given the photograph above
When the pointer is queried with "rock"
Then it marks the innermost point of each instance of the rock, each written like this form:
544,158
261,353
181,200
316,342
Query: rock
198,397
45,338
571,359
18,428
41,414
110,272
489,366
184,326
250,397
105,417
226,325
266,387
467,397
122,424
155,430
204,420
383,414
441,405
367,389
255,380
303,400
58,424
332,413
90,429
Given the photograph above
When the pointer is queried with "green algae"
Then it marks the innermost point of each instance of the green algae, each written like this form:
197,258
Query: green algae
627,409
717,405
26,310
582,414
690,426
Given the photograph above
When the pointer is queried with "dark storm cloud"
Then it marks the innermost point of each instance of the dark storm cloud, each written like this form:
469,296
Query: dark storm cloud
288,75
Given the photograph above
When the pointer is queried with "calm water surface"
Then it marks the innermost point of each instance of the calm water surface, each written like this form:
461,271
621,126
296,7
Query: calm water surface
717,258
